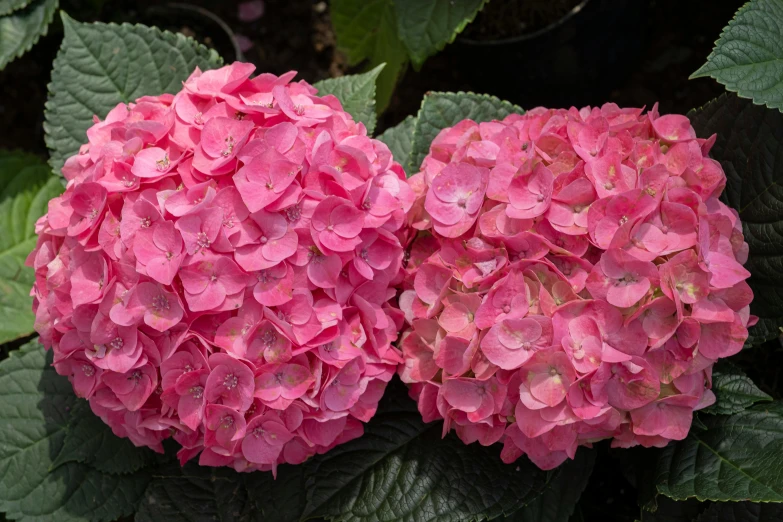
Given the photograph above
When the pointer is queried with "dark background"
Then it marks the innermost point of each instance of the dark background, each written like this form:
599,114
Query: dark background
632,52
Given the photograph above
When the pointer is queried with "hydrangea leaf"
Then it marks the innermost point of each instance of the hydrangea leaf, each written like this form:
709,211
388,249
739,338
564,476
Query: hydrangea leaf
748,56
88,439
399,139
734,391
9,6
402,470
195,493
355,24
389,50
20,29
184,494
738,457
558,500
35,407
78,493
34,411
100,65
399,470
367,30
426,26
742,512
357,94
445,109
26,186
748,147
280,499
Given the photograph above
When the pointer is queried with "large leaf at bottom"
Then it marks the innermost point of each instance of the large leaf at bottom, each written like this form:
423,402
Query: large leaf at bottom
20,29
750,149
738,457
399,470
734,391
100,65
196,493
356,92
88,439
26,186
445,109
402,470
748,57
558,500
35,409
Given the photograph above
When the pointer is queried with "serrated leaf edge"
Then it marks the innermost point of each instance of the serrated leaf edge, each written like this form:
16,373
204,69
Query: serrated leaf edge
68,22
372,77
14,9
415,62
416,132
47,21
705,71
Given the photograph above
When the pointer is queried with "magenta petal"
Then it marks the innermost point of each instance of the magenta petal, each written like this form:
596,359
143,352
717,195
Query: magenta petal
255,448
462,394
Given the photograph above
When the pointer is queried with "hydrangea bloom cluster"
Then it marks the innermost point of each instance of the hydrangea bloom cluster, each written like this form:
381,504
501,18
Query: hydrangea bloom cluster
575,279
219,268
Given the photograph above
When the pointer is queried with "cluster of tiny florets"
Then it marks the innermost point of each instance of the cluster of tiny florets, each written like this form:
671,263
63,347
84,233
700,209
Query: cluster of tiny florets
219,270
574,279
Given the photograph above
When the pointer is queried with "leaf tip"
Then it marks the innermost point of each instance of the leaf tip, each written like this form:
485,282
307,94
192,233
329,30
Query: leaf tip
66,19
701,72
375,71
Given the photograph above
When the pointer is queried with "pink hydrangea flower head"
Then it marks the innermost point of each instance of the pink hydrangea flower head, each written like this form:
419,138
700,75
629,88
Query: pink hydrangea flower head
220,267
574,278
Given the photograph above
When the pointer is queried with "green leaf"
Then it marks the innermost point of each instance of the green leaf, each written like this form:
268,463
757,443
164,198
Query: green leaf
9,6
195,493
77,493
399,470
35,408
357,94
445,109
89,440
733,390
101,65
390,51
738,457
402,470
32,430
426,26
356,24
558,500
280,499
748,56
748,147
367,30
26,186
399,139
20,29
742,512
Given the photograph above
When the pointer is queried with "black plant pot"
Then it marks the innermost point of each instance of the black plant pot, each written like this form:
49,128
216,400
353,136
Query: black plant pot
205,25
577,60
